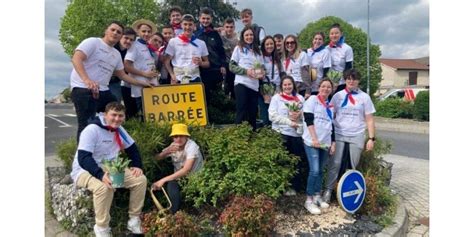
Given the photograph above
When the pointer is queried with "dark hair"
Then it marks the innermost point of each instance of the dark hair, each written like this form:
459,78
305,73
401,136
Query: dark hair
187,17
129,31
229,21
278,36
115,106
175,9
206,11
275,56
117,23
246,11
160,35
168,26
326,79
335,25
242,43
292,82
319,33
352,73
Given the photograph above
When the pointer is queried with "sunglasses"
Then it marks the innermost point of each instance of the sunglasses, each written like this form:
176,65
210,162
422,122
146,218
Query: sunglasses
290,42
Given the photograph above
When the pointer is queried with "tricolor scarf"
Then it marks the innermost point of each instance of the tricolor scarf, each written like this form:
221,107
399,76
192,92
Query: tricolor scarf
348,97
290,97
118,136
318,49
327,106
338,44
149,46
186,40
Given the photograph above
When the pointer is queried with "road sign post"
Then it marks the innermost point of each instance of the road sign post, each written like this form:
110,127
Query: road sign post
351,191
172,103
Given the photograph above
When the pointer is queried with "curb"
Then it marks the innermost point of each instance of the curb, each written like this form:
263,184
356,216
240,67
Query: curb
401,125
400,225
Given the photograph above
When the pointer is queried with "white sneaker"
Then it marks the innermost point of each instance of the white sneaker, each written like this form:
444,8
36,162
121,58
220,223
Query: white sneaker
318,200
312,208
135,225
290,192
102,232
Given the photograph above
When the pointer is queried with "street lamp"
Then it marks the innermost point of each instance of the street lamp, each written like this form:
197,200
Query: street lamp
368,48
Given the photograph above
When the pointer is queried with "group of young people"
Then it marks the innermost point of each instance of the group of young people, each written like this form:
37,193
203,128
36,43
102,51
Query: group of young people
316,118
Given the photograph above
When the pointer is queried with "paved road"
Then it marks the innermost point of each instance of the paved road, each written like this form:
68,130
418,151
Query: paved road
60,124
407,144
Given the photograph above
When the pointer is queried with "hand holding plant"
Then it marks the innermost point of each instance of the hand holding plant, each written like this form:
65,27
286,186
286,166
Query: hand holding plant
258,70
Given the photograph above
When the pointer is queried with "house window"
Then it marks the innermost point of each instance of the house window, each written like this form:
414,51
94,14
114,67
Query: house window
412,78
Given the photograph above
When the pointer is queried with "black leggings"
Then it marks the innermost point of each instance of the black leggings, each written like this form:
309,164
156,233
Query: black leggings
246,101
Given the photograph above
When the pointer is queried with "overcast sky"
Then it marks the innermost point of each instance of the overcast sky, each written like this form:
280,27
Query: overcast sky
399,27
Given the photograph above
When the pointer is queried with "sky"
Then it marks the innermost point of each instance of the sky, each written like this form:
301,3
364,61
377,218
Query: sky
399,27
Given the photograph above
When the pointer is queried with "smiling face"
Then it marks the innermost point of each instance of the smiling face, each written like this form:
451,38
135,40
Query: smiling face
269,46
156,41
229,28
114,118
325,89
205,19
318,40
180,140
290,44
126,41
175,17
248,36
144,32
188,28
113,34
287,86
247,19
335,34
352,83
168,33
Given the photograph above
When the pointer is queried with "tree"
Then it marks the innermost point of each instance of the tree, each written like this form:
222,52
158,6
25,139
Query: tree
221,10
354,37
89,18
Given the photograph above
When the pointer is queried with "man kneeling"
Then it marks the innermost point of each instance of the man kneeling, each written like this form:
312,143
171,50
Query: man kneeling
101,140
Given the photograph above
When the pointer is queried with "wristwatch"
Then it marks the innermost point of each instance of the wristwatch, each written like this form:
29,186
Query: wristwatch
372,138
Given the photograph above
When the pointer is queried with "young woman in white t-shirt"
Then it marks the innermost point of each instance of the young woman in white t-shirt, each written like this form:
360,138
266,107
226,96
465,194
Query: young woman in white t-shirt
289,123
296,64
341,53
245,55
354,111
320,61
318,138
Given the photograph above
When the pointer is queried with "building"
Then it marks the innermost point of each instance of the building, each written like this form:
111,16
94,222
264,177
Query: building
401,73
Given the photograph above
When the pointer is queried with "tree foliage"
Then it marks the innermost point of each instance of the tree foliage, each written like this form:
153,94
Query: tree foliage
221,10
354,37
89,18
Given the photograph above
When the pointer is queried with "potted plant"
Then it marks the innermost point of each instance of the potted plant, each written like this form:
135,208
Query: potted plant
334,76
116,169
267,92
258,69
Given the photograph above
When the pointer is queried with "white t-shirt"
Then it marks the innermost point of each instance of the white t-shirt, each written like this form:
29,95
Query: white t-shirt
282,123
322,122
101,62
142,61
339,57
246,60
191,151
319,61
350,120
268,69
294,66
101,143
182,54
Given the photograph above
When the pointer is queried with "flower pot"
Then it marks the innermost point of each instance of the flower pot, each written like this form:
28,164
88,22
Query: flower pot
117,179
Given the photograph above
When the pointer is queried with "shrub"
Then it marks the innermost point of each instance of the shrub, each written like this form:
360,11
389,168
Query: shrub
66,151
422,106
220,110
239,161
180,225
394,108
245,216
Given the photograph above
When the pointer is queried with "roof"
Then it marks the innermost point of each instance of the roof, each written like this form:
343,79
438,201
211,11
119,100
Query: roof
404,64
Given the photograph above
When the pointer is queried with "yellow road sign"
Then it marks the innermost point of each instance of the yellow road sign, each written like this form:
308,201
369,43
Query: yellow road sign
171,103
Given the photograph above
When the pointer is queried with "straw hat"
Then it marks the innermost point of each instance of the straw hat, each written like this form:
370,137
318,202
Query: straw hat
146,22
179,129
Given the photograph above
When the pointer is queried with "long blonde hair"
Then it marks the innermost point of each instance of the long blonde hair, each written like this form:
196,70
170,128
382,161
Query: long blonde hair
297,48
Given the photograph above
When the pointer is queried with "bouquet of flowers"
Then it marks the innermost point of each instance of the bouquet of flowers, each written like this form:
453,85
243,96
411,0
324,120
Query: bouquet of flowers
267,92
294,106
258,68
294,109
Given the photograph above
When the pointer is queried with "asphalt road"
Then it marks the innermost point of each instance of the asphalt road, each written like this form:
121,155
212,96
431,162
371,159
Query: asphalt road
61,124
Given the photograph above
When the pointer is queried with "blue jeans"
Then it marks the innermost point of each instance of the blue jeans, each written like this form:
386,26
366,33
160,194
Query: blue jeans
316,160
263,109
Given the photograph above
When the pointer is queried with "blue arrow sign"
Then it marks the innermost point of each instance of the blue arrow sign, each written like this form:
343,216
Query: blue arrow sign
351,191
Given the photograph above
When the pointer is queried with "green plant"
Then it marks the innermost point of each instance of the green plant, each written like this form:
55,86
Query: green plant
249,216
257,65
294,106
179,224
240,162
268,89
394,108
115,166
422,106
66,151
334,76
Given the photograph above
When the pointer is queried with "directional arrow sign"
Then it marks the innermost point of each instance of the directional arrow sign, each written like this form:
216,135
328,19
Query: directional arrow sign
351,191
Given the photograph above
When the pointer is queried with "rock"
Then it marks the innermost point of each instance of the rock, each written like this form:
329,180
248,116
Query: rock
66,180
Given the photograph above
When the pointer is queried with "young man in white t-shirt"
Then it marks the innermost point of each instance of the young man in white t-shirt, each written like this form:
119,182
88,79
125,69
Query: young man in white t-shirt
103,139
187,53
140,61
186,158
94,62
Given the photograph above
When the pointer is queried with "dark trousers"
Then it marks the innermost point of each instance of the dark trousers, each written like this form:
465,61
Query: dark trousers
229,83
295,146
129,102
212,80
246,105
86,106
263,110
174,193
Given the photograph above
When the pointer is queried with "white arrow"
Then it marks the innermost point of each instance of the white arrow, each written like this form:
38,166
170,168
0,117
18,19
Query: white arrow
357,192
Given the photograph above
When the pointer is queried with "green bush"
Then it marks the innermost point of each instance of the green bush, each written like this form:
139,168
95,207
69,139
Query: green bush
66,150
394,108
422,106
221,110
240,162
